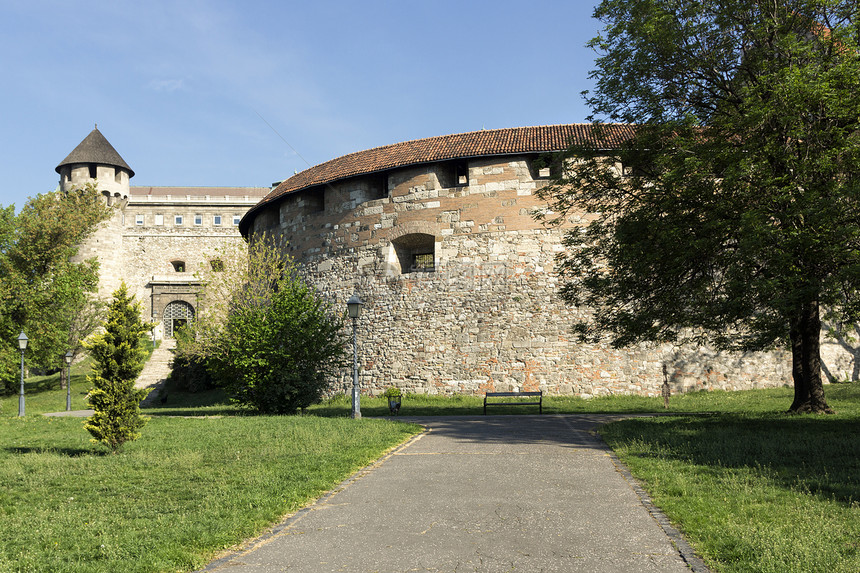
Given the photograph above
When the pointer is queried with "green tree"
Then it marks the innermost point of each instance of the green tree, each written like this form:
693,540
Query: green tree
732,213
41,291
118,357
267,336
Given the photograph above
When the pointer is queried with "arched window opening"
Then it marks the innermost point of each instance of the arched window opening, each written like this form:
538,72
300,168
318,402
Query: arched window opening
178,266
176,315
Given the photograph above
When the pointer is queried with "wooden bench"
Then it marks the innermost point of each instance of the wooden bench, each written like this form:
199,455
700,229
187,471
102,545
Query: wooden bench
538,395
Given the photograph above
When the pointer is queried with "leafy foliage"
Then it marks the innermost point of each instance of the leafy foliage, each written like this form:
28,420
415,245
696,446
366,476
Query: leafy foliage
733,214
118,357
42,291
267,337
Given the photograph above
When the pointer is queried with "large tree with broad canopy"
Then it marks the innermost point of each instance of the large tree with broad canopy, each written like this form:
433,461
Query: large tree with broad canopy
732,216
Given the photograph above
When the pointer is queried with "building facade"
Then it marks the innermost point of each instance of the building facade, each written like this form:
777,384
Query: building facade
157,237
438,237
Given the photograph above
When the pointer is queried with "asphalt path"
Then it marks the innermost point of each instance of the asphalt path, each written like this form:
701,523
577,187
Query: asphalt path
486,494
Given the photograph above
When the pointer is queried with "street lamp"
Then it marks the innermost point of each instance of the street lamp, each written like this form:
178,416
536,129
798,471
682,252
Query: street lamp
22,344
353,306
68,359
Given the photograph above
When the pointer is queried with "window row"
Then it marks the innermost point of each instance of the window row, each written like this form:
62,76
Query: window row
217,220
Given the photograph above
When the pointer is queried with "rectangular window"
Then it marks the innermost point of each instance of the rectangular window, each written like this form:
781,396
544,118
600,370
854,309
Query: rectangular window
138,219
236,220
159,219
177,219
198,220
423,262
216,220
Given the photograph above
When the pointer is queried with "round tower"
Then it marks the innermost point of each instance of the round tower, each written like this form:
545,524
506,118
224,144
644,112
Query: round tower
95,161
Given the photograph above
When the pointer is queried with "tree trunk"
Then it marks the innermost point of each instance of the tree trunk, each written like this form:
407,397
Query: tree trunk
806,361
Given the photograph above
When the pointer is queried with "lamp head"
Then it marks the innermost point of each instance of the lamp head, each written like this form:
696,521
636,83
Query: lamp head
353,306
68,358
22,341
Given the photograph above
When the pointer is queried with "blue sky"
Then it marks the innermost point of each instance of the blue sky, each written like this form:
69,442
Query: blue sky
186,91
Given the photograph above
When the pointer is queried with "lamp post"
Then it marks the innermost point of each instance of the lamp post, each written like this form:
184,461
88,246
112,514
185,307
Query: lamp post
353,306
22,344
68,358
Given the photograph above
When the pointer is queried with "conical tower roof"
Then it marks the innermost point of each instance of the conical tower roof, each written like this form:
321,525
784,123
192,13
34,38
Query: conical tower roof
95,149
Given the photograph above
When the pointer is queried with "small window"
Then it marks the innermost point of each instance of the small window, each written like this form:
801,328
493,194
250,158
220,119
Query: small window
236,220
117,175
217,265
423,262
314,200
93,170
159,219
178,266
177,219
461,173
544,166
415,253
138,219
216,220
198,220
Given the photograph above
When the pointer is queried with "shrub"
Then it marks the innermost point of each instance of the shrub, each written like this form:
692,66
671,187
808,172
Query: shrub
118,357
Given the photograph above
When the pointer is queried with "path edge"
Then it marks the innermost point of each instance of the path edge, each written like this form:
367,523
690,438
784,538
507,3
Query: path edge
688,554
290,519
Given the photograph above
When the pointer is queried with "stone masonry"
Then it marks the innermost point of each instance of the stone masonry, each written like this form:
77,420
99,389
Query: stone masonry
458,277
157,237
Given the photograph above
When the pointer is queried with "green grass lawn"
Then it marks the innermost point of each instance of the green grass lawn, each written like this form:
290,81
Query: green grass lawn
752,488
187,489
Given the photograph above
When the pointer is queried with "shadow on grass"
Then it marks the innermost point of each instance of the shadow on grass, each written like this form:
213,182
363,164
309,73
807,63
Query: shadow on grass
68,452
817,455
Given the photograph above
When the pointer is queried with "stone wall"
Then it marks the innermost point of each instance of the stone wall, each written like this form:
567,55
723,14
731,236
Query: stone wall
153,248
487,316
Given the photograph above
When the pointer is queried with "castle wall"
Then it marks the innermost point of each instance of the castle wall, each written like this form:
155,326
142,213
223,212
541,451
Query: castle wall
485,315
154,244
105,244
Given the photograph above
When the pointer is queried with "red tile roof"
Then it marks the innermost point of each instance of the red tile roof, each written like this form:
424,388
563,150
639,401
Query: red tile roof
545,138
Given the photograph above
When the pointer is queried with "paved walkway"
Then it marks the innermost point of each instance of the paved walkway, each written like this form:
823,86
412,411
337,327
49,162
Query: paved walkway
486,494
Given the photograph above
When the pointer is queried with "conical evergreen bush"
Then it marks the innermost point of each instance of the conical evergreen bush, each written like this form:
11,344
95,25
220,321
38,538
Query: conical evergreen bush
118,357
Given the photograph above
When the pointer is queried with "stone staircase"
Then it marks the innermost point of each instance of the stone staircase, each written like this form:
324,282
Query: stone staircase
156,370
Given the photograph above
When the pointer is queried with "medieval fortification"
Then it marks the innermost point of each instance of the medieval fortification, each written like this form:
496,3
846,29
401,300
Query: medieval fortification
438,237
157,237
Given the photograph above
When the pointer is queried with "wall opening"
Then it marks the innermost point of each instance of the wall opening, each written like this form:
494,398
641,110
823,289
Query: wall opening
314,200
178,266
176,315
415,253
